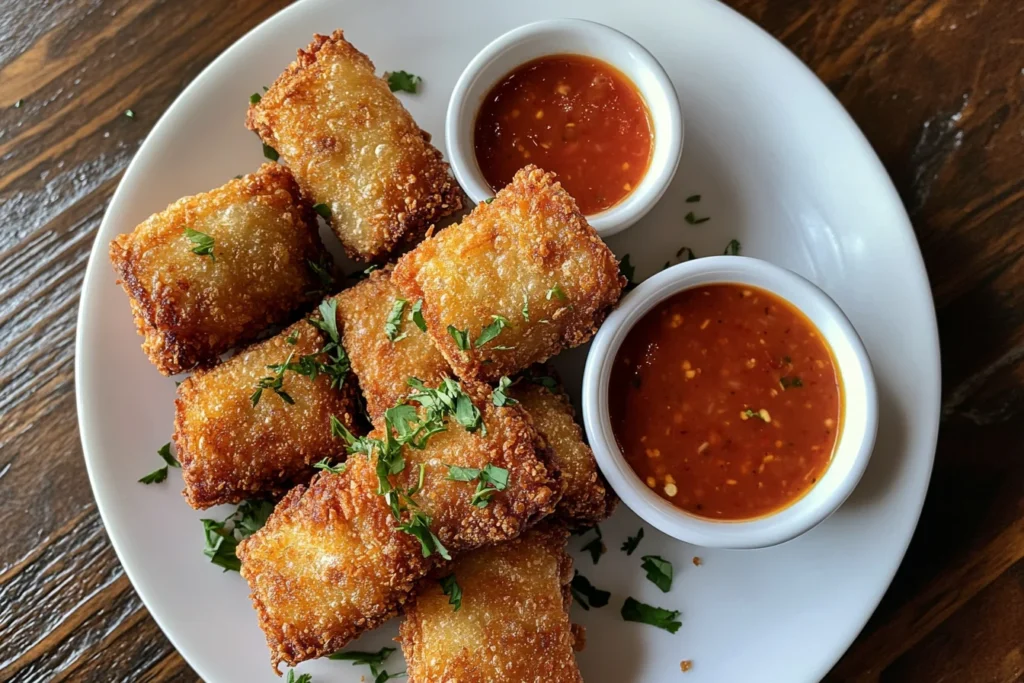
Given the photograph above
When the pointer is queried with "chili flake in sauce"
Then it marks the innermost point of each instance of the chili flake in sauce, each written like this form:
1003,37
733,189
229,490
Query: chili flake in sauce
726,401
576,116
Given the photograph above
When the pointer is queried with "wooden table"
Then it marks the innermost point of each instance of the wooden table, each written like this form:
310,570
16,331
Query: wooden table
937,86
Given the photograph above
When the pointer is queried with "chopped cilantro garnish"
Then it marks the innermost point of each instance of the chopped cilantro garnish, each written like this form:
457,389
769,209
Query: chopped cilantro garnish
403,81
486,201
322,271
687,252
270,153
452,589
372,659
461,337
203,243
659,571
324,210
632,610
155,477
693,220
255,98
632,542
733,248
394,320
549,383
274,382
416,315
499,397
491,331
555,291
326,465
627,270
303,678
222,537
693,198
585,594
491,479
526,308
596,546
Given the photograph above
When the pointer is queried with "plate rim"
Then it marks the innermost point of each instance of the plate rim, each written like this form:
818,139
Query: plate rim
929,433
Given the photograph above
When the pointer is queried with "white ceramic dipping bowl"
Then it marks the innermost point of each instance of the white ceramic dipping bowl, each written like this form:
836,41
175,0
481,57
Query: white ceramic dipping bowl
857,425
569,36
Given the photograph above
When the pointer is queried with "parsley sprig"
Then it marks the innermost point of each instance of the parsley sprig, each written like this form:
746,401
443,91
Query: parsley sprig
500,397
394,321
632,542
633,610
586,594
222,537
596,546
659,571
453,590
375,660
157,476
403,81
203,243
490,480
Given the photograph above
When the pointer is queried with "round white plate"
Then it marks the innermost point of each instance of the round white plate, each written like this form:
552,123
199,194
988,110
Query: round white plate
779,165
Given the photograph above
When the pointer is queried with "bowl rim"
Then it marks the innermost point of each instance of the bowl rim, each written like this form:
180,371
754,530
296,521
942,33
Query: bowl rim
655,87
857,429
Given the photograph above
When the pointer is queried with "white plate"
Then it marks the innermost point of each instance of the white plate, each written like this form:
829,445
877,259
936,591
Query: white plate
779,165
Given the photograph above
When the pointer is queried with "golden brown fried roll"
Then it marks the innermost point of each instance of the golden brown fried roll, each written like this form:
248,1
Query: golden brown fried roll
331,563
231,450
354,147
191,307
513,623
587,499
384,366
328,565
528,261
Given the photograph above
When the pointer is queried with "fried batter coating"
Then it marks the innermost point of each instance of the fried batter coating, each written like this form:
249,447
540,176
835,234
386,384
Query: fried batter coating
529,257
354,147
328,565
587,499
331,563
513,625
384,366
231,450
189,307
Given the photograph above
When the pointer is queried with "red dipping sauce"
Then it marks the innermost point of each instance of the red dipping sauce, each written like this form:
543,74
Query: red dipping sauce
576,116
726,401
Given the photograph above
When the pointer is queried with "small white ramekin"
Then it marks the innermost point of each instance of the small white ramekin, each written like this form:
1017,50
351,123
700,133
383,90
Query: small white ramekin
569,36
857,425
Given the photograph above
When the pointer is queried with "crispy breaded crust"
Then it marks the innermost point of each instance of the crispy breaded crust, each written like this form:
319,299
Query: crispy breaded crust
513,625
230,451
353,146
190,308
384,366
514,251
329,565
588,498
510,442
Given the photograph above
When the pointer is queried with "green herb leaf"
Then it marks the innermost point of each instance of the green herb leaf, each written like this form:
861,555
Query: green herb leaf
403,81
270,153
492,330
687,252
17,105
129,113
418,525
461,337
486,201
632,542
165,453
323,210
416,314
292,338
549,383
733,248
220,545
585,594
155,477
596,547
326,465
499,397
363,274
555,291
304,678
467,414
457,473
693,220
790,381
361,657
452,589
203,242
394,320
632,610
693,198
255,98
328,322
659,571
526,308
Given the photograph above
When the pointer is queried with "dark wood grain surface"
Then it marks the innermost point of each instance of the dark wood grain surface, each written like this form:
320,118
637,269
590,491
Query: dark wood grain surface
937,86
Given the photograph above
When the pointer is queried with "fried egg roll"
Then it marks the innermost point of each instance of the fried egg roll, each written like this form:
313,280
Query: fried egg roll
520,279
513,621
383,365
587,498
332,562
353,147
213,270
231,450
